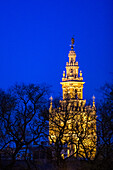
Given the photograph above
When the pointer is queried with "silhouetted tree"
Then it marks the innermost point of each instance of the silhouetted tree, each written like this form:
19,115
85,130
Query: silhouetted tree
21,118
70,127
105,128
57,124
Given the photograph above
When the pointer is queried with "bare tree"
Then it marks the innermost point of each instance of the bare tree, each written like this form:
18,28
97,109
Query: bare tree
57,128
105,128
72,129
21,118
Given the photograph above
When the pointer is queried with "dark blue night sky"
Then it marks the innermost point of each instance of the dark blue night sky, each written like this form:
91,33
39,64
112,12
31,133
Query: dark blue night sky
35,36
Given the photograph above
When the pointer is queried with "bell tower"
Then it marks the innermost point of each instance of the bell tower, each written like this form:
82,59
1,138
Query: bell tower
73,123
72,81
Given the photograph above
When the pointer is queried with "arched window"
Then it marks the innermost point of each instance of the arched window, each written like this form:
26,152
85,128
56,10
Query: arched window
71,62
75,94
71,70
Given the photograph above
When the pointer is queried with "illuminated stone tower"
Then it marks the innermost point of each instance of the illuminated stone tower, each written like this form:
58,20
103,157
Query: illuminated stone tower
72,81
73,119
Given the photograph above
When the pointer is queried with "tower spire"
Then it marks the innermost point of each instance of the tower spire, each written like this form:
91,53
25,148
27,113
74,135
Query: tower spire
50,108
93,100
72,81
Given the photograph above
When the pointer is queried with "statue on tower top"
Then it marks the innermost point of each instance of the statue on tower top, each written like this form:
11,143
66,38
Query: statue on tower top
72,43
